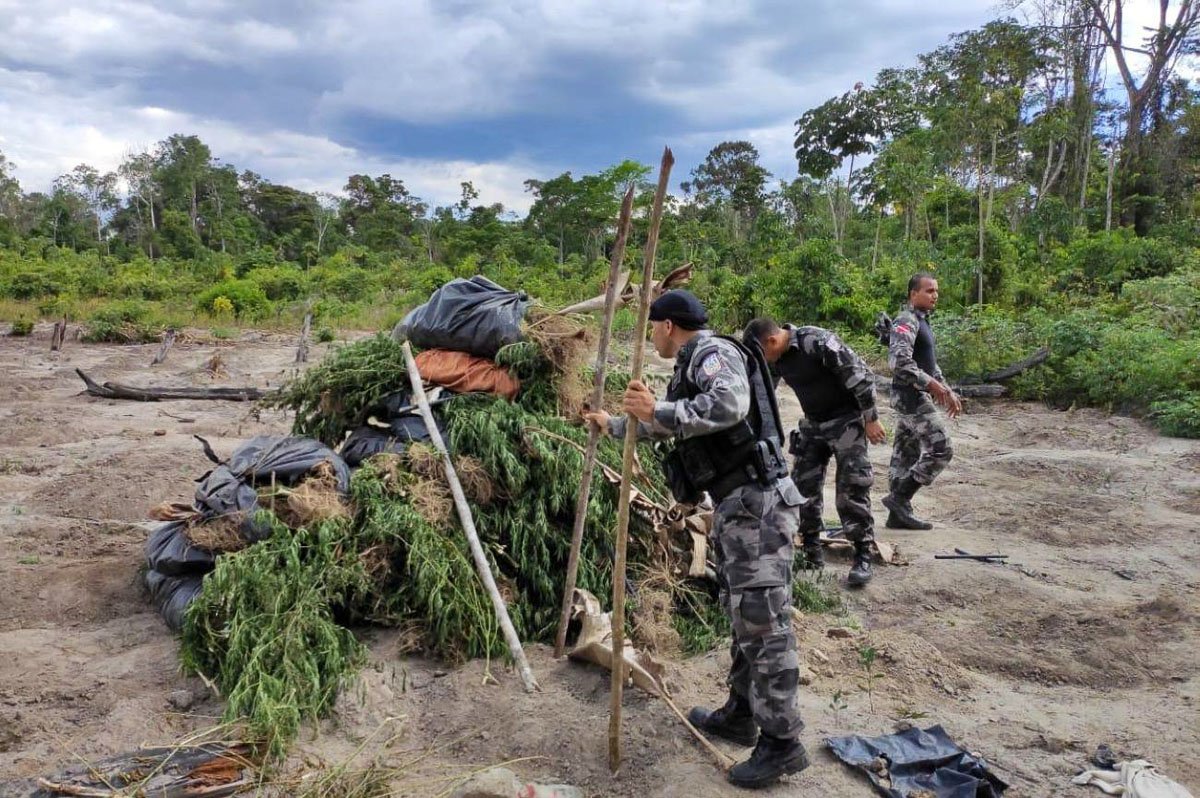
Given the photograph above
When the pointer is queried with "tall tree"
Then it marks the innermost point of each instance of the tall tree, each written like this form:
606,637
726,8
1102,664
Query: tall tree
731,175
1176,33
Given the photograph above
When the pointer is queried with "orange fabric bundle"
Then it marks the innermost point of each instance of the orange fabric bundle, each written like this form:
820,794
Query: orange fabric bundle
462,372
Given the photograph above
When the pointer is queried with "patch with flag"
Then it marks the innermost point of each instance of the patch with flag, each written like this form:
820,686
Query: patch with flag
903,329
711,364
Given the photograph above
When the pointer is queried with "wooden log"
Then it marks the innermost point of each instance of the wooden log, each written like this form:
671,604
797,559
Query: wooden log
58,335
168,342
596,303
979,391
1008,372
631,432
589,456
468,525
115,390
302,347
209,770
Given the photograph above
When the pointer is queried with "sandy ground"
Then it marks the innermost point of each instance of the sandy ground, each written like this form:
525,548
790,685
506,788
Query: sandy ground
1031,664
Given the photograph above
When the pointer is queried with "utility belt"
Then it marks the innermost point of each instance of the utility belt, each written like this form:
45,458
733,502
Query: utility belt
720,464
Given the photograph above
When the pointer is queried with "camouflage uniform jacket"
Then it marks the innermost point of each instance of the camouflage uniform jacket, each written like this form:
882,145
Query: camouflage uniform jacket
718,368
829,378
907,372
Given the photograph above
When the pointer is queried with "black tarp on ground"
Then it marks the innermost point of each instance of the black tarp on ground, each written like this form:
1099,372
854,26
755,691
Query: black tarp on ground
920,761
475,315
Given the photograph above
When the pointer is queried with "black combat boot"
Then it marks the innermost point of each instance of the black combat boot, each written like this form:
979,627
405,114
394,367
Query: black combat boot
899,504
772,757
814,553
860,572
732,722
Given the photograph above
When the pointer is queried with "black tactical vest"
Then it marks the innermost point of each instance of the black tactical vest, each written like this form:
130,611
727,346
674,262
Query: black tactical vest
924,349
821,392
749,451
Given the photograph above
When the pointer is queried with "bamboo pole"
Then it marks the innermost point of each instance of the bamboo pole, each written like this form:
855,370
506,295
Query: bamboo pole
589,456
631,431
468,525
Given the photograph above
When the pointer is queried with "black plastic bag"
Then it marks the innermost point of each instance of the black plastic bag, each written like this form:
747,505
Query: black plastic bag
475,315
221,493
367,441
925,762
289,459
169,552
171,595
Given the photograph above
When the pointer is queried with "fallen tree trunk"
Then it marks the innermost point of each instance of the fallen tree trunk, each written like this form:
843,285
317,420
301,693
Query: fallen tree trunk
1008,372
626,293
987,391
114,390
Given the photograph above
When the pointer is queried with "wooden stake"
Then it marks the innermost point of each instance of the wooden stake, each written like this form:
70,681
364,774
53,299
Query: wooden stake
302,349
58,336
168,340
468,525
631,432
589,456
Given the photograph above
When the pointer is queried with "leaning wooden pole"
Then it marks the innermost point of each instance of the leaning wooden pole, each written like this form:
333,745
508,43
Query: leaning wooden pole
589,456
468,525
631,430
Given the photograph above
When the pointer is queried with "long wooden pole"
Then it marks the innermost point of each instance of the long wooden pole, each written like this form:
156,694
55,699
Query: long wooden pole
589,455
468,525
631,431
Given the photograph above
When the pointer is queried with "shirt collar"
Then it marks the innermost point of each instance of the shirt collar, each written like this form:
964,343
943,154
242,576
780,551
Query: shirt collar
685,354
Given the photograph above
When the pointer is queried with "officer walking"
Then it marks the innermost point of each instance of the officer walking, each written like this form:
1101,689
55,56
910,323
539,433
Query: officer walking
922,447
837,393
720,409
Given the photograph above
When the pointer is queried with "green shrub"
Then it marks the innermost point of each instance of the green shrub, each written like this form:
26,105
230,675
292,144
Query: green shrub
130,321
325,335
246,298
283,282
34,285
21,328
1178,417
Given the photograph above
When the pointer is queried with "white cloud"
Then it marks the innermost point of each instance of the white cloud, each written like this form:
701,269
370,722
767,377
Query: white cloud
43,140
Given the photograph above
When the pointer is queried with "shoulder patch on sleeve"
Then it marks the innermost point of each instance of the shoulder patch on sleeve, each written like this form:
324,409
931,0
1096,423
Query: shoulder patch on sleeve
902,328
711,364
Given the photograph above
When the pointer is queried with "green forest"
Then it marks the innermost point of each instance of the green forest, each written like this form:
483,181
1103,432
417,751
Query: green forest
1054,197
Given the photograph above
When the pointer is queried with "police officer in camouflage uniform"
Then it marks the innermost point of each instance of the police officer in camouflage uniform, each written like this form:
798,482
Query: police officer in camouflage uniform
836,390
720,409
922,448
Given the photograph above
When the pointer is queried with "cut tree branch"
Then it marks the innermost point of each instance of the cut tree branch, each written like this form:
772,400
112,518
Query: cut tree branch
115,390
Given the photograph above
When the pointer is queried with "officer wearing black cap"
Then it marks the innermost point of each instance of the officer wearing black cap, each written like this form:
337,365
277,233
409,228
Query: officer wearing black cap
720,408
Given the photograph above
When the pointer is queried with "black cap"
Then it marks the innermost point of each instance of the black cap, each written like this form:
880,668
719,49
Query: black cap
680,307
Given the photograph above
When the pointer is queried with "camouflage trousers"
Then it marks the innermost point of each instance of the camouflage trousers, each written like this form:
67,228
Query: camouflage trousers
922,448
845,440
752,540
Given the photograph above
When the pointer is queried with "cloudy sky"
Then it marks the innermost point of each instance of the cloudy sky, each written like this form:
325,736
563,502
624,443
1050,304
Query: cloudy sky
307,93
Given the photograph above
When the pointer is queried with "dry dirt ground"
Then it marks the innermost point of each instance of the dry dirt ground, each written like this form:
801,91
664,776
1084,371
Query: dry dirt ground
1089,635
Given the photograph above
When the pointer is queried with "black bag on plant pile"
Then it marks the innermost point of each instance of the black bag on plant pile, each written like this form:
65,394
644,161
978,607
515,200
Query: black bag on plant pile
171,595
229,488
366,441
475,315
169,552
